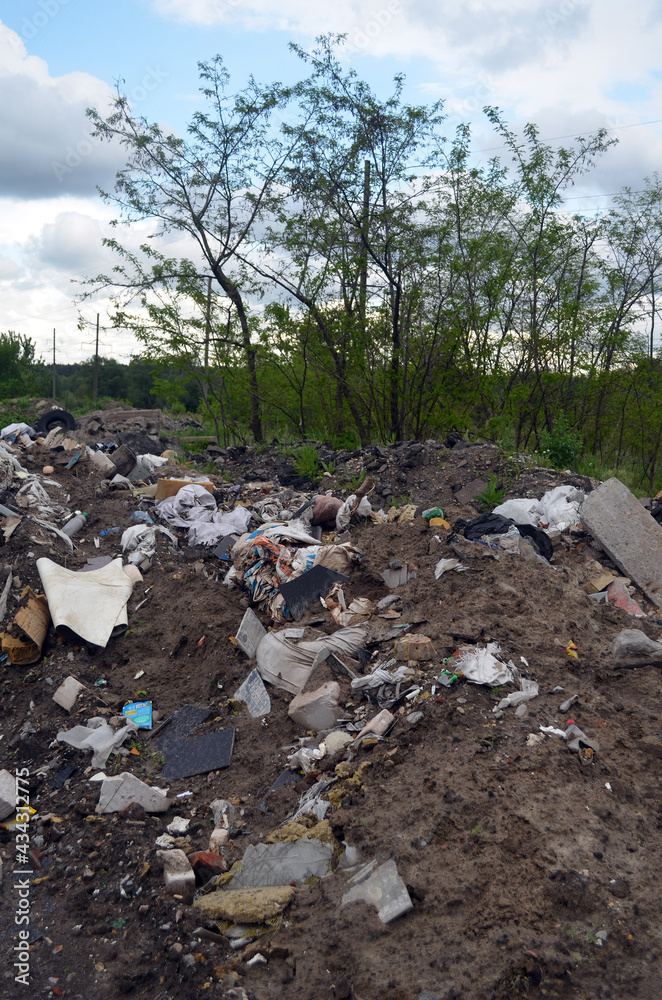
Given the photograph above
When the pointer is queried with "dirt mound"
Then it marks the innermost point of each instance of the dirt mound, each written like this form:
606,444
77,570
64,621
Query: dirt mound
531,869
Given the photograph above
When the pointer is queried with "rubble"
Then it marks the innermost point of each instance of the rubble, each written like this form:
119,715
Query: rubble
305,751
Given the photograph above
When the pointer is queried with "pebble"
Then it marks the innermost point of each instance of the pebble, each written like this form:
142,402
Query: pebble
414,718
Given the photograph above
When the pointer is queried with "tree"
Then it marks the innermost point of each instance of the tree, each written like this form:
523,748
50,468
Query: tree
213,186
17,359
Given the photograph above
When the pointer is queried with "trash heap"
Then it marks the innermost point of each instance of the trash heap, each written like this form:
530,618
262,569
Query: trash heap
264,728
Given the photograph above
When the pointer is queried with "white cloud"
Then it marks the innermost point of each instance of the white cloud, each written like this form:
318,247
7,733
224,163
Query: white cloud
45,145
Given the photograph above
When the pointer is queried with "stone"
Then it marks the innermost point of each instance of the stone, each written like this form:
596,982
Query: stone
381,886
250,634
179,876
467,494
245,906
68,691
627,533
414,647
7,794
317,709
632,648
120,791
414,718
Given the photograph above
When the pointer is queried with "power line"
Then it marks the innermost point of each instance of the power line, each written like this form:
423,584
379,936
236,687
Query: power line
578,135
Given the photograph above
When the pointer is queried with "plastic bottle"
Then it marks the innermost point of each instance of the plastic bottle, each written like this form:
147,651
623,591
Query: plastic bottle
107,531
75,524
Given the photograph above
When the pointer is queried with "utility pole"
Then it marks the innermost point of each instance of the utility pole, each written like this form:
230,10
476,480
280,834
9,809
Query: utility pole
53,364
96,365
205,383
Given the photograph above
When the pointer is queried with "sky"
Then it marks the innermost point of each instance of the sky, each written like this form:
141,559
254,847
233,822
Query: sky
570,66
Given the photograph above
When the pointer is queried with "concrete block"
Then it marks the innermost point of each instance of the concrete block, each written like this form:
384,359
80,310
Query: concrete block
68,691
632,648
7,794
317,709
179,876
627,533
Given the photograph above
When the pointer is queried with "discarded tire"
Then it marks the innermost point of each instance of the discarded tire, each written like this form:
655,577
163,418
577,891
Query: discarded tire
55,418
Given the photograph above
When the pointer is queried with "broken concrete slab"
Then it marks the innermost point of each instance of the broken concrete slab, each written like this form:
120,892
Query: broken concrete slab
254,695
317,709
627,533
632,648
68,691
283,863
7,794
382,887
250,634
179,876
245,906
120,791
199,755
307,589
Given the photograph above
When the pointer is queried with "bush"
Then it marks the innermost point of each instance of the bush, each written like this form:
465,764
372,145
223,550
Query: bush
562,446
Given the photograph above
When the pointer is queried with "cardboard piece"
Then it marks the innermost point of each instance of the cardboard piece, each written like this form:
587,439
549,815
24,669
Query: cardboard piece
254,695
32,619
199,755
307,589
140,713
169,487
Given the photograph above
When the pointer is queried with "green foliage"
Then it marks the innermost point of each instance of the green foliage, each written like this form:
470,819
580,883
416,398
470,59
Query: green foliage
492,495
562,446
353,482
17,365
306,462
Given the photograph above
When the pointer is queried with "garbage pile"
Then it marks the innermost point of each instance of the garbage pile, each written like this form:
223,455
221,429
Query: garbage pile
265,728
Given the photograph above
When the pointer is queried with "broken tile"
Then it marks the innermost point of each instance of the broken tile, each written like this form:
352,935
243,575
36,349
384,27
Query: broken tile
250,634
254,695
199,755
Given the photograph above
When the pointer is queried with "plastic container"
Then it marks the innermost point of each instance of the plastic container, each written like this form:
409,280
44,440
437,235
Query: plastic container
75,524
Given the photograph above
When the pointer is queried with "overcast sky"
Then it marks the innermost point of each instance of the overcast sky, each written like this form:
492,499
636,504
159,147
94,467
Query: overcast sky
568,65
